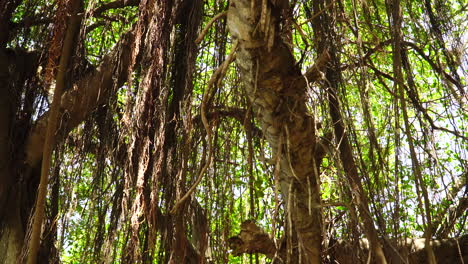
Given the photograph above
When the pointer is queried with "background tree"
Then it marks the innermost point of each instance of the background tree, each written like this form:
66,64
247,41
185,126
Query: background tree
315,121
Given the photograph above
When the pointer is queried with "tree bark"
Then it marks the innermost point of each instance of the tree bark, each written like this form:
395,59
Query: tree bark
276,91
10,228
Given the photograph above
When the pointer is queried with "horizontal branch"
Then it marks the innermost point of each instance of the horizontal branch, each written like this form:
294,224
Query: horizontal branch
237,113
252,239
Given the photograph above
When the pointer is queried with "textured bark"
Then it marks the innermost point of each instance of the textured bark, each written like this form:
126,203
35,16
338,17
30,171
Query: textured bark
252,239
274,87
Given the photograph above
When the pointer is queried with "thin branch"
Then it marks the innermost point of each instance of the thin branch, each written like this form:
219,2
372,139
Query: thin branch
216,77
236,113
419,108
366,57
315,72
318,13
114,5
301,32
210,23
434,66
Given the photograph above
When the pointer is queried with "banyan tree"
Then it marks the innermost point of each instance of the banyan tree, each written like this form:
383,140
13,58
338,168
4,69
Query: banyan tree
239,131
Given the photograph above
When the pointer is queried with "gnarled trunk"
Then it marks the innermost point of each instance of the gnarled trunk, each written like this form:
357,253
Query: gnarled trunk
276,91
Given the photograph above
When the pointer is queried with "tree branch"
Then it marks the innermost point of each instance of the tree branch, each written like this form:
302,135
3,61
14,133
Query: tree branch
434,66
114,5
252,239
315,72
210,23
87,93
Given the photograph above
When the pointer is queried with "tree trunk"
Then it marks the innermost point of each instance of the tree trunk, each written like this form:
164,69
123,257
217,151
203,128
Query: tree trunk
14,66
276,91
12,235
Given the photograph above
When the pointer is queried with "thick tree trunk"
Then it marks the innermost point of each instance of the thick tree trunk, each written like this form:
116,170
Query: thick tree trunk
275,88
12,234
14,66
11,229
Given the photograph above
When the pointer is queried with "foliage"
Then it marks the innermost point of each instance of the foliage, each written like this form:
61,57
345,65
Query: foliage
97,195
